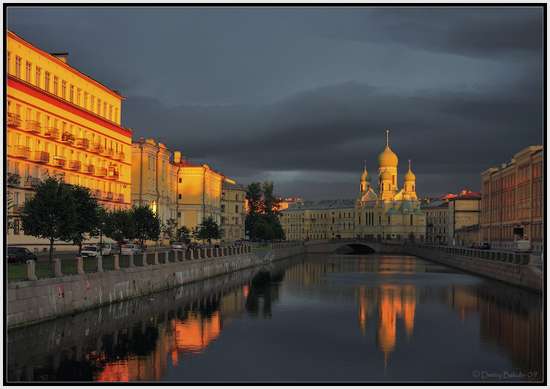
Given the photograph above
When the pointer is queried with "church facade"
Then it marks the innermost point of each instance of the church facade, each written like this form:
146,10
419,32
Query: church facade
388,212
383,211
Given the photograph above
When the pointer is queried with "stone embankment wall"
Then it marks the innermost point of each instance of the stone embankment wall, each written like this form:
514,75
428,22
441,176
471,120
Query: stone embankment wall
515,269
38,300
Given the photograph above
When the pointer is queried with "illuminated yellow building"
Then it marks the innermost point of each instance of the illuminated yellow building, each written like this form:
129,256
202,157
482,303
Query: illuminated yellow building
389,213
325,219
233,212
154,178
198,193
62,123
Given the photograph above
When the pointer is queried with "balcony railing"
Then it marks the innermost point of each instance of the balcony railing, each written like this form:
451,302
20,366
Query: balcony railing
51,132
101,172
74,165
119,156
108,152
14,179
33,126
96,194
22,151
59,161
109,196
41,156
90,169
97,148
120,198
82,143
67,137
113,174
14,120
31,182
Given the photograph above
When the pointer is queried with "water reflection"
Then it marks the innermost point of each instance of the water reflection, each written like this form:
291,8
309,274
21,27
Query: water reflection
164,335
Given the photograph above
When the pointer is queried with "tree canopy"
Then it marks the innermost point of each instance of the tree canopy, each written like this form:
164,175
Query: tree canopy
262,220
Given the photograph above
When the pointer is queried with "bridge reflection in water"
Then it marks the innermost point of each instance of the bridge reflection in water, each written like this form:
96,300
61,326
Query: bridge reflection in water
143,339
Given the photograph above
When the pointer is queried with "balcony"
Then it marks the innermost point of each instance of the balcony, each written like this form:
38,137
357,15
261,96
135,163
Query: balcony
33,126
41,157
108,152
120,198
96,194
31,182
82,143
109,196
22,151
90,169
119,156
74,165
14,179
101,172
67,138
59,161
113,174
14,120
51,132
97,148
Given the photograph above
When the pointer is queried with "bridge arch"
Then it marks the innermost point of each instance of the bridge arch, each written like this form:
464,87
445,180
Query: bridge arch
354,249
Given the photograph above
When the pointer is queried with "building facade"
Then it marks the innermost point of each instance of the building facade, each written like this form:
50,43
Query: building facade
154,178
233,212
389,212
437,221
61,123
314,220
512,201
464,211
385,213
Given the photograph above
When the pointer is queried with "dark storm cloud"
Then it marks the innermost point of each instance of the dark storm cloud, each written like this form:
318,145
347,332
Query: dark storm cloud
302,96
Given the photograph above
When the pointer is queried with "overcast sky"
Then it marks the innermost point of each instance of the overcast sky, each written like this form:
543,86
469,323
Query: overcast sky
301,96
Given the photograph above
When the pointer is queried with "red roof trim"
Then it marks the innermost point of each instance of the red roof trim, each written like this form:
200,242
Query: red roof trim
39,94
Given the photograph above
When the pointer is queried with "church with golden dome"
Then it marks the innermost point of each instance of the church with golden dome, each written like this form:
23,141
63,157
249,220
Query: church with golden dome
388,212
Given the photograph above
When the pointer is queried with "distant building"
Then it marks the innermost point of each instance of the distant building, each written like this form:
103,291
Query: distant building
464,211
512,200
437,221
388,213
468,236
233,212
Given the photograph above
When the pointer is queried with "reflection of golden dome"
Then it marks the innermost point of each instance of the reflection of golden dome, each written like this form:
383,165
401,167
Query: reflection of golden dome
387,158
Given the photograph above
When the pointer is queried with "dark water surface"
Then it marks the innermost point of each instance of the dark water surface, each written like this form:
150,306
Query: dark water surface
310,318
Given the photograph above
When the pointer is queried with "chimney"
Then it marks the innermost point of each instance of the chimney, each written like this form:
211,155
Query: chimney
62,56
177,156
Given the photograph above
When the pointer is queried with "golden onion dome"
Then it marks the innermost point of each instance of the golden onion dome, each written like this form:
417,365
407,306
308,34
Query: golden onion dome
365,175
409,176
387,158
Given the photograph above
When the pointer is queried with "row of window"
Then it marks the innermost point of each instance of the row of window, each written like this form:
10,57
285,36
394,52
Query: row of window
58,128
60,88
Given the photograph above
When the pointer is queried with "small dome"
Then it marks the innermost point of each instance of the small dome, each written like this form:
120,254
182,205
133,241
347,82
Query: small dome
365,175
409,176
387,158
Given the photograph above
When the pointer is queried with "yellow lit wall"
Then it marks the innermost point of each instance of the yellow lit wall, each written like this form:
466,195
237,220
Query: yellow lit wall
233,211
62,122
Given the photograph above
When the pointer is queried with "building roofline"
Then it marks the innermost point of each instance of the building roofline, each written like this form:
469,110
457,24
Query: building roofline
66,65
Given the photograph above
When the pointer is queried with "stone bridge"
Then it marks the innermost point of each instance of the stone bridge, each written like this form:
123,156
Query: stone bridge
353,246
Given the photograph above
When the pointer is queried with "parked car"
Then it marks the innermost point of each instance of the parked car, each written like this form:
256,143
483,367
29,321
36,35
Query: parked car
129,249
109,248
485,246
178,245
19,254
89,251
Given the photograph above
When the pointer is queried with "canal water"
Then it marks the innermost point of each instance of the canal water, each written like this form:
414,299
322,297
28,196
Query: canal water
308,318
